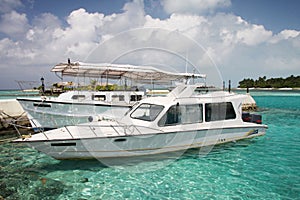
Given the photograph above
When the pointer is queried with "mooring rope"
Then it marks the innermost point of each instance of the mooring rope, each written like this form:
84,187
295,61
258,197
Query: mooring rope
7,115
8,139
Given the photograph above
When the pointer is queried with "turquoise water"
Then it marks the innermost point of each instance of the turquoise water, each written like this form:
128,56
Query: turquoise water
263,168
12,94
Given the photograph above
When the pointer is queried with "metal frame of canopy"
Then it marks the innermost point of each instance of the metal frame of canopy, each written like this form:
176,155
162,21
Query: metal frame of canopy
144,74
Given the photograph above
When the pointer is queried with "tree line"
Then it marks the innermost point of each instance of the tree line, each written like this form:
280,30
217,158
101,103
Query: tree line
263,82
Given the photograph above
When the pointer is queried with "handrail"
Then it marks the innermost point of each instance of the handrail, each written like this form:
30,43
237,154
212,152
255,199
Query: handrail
122,125
93,131
69,132
138,130
45,134
116,130
39,128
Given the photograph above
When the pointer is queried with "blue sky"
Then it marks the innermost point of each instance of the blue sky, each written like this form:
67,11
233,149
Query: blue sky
64,8
275,15
239,38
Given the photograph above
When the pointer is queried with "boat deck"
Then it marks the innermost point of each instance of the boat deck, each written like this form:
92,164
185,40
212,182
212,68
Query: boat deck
92,130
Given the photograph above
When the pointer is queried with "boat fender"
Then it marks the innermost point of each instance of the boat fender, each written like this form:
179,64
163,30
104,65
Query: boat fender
4,123
26,136
90,118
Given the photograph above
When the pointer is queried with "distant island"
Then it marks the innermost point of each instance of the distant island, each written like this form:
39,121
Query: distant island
263,82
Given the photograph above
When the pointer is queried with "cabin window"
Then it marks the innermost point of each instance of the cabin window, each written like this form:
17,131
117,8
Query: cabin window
99,97
42,105
182,114
78,97
219,111
118,98
135,97
147,112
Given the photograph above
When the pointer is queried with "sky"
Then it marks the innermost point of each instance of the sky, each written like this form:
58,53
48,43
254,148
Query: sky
225,39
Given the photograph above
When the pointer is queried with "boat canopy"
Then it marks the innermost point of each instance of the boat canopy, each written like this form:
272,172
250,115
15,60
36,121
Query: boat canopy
146,74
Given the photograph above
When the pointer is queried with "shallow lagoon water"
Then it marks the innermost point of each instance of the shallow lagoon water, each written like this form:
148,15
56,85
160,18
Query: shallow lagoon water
12,94
263,168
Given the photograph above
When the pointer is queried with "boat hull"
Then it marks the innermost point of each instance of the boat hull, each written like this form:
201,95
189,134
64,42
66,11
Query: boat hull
142,145
51,114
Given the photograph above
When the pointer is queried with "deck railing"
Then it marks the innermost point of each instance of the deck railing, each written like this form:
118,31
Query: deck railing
120,129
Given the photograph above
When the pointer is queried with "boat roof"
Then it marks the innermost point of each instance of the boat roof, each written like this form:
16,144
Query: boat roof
145,74
187,93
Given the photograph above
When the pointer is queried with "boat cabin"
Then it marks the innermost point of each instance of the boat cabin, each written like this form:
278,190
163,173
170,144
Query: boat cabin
181,113
188,108
103,96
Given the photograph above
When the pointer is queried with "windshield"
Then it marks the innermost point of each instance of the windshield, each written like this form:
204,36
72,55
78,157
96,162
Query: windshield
131,108
147,112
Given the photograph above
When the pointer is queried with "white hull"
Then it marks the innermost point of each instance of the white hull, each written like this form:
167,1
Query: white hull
51,114
138,145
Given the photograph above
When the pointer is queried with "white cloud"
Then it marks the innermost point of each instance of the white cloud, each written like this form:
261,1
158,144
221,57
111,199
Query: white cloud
253,35
285,35
133,16
178,22
9,5
42,28
240,49
12,52
289,33
13,24
82,27
194,6
46,21
45,41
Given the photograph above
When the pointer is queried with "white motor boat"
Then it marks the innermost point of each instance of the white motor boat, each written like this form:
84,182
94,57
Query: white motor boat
181,120
76,107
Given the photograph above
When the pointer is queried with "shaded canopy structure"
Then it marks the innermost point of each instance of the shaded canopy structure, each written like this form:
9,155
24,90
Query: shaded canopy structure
144,74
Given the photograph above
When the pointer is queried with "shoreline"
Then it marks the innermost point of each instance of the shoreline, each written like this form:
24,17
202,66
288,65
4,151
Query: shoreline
267,89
